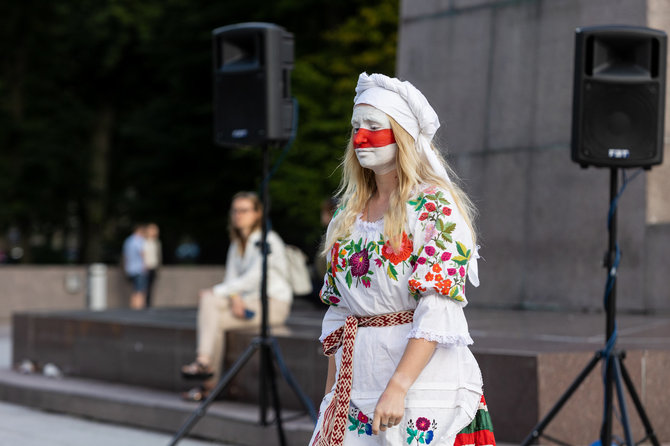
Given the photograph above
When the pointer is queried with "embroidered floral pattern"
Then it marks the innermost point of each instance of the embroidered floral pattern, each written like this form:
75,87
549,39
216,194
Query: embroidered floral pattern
329,293
333,258
398,257
441,269
360,264
359,422
422,431
440,263
355,259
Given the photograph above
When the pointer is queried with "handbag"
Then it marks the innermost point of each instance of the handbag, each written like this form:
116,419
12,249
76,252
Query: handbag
297,271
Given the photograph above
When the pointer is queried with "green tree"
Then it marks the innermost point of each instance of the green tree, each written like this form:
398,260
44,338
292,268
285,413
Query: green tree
106,117
323,82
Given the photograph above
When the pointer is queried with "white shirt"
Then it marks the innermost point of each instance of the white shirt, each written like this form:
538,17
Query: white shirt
152,253
243,272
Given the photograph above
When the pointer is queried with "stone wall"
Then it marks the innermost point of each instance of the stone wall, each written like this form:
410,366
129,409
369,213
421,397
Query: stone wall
47,288
499,73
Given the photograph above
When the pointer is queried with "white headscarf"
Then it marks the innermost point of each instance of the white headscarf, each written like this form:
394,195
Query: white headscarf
409,107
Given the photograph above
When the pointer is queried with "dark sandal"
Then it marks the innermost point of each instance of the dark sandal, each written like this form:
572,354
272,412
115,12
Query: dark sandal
195,394
196,370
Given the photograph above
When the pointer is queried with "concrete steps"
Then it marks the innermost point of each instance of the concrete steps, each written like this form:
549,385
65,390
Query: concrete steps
159,410
527,358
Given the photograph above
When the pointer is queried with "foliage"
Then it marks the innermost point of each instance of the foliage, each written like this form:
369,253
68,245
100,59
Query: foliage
324,82
106,113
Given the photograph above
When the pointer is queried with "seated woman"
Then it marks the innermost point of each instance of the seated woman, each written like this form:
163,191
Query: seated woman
235,302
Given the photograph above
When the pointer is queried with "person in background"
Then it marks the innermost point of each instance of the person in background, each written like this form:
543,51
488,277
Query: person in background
235,302
134,267
152,257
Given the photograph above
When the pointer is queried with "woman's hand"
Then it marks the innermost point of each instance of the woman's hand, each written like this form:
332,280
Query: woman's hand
237,306
391,405
390,408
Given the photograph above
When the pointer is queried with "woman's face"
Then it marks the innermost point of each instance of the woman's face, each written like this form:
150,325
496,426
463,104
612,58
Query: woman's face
243,214
152,231
374,142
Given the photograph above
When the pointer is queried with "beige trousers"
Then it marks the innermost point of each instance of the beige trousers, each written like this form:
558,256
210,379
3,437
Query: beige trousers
215,317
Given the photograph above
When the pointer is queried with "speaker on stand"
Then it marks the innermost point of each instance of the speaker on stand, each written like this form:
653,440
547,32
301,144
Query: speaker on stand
252,84
619,96
253,107
617,122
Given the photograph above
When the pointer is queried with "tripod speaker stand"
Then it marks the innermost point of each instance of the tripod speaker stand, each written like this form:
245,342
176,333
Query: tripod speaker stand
617,122
615,370
253,107
265,344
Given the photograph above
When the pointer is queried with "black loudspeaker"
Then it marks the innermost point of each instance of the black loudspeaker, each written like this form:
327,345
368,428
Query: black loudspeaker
619,96
252,84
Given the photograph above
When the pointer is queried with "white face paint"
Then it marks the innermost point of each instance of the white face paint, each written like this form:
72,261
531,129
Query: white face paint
371,155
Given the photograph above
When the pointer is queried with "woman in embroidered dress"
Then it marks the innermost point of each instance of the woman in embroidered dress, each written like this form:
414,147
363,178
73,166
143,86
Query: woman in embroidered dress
400,250
235,302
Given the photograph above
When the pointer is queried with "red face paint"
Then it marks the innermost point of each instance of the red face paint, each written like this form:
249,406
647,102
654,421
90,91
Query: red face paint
365,138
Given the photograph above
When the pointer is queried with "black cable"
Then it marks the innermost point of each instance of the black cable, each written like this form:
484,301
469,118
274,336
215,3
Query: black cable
611,280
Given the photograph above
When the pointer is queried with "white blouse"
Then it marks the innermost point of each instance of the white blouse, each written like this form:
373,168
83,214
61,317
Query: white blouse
428,274
243,272
152,253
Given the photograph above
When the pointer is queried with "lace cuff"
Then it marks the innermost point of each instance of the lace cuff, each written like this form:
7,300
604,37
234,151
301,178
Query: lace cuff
443,339
438,318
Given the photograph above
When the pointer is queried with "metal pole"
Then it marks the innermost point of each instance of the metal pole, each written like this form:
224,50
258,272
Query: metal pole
611,301
606,432
263,375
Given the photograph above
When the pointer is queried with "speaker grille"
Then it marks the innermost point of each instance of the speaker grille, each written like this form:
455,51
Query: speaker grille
241,115
620,122
252,67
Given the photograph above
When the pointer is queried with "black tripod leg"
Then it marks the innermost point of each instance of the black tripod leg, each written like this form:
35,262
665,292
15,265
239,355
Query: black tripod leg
223,382
288,377
539,428
270,375
638,405
606,426
263,385
616,362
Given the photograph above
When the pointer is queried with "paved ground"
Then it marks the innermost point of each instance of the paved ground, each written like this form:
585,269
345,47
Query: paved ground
29,427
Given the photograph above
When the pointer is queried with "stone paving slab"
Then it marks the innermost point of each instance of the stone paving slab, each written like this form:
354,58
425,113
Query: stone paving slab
25,426
554,331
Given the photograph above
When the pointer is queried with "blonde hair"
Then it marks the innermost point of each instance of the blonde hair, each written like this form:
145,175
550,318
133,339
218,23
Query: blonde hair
358,185
234,233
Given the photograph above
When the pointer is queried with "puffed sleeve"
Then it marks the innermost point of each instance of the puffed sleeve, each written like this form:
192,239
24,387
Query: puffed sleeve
442,246
332,320
329,294
441,320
